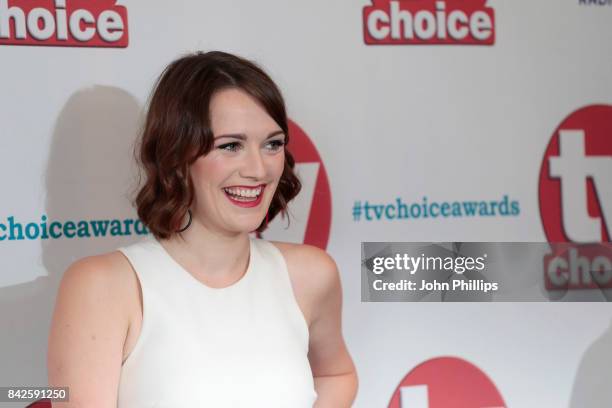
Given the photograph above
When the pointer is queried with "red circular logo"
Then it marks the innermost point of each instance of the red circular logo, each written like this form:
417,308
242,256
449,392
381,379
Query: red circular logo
446,382
310,211
575,188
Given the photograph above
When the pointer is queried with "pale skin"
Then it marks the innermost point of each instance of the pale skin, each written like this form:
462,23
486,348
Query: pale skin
98,312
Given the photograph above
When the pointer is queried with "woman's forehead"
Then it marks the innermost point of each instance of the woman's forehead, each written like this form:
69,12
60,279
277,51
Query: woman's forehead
235,111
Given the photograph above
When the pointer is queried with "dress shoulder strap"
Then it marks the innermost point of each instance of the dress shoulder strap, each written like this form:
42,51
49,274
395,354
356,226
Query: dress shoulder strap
275,268
143,257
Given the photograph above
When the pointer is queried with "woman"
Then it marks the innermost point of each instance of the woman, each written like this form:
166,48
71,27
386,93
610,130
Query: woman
199,314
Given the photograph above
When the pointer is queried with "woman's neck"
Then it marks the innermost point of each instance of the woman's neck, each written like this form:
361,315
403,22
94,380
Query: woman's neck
210,256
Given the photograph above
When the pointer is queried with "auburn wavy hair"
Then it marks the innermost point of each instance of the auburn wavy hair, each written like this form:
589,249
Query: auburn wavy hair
177,130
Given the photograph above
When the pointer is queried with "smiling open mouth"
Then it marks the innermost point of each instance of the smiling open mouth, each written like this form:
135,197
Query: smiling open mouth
244,194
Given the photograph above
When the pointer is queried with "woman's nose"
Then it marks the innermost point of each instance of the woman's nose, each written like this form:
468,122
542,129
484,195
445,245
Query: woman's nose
253,166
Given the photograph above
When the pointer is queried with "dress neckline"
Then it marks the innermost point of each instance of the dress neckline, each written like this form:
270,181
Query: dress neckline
233,286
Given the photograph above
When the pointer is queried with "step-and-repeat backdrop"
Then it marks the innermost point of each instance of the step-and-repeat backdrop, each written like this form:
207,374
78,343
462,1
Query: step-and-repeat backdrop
412,120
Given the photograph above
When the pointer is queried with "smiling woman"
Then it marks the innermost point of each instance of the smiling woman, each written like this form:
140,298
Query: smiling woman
245,165
217,118
200,313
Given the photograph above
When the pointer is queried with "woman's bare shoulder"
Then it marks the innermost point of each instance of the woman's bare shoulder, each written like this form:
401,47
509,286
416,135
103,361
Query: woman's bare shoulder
305,255
105,279
317,268
89,326
107,270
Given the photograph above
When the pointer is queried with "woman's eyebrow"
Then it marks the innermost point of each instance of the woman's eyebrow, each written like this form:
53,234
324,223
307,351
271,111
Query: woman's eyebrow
242,136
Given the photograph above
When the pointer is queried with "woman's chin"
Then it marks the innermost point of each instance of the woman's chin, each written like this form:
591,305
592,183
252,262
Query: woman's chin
247,227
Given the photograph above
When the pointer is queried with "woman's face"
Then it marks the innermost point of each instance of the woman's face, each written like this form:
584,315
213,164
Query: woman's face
235,182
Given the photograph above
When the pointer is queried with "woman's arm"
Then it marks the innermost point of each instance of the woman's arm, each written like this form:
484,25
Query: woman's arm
334,373
87,334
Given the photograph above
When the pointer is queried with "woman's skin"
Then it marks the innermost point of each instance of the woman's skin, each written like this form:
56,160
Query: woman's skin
98,313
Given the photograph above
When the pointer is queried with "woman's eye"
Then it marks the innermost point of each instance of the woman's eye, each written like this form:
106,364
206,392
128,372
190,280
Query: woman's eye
275,145
230,147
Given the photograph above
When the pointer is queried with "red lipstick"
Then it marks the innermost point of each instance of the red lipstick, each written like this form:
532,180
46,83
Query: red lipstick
246,204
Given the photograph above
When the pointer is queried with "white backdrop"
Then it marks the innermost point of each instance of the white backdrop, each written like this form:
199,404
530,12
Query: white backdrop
446,122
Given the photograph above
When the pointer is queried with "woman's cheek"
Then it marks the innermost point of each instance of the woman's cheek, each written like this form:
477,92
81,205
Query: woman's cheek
280,164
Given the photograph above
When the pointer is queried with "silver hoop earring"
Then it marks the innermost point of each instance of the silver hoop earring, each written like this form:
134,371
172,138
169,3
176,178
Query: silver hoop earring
188,223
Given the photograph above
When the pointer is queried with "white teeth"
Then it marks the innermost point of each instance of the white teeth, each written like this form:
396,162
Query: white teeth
243,192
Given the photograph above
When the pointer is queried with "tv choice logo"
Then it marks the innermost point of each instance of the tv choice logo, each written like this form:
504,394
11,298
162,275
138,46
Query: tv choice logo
575,185
311,210
452,22
446,382
70,23
578,266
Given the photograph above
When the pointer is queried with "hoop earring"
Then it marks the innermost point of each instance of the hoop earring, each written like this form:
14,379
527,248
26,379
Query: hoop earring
188,223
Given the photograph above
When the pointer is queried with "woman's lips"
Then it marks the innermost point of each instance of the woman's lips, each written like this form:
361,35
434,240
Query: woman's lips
245,204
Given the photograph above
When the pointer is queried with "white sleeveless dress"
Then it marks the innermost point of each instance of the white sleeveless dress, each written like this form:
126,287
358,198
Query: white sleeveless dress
244,345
